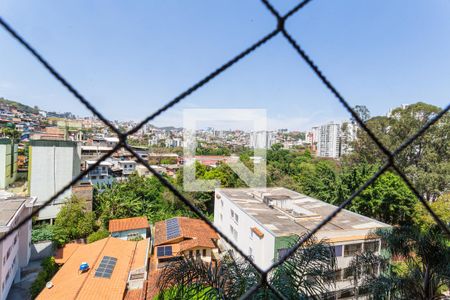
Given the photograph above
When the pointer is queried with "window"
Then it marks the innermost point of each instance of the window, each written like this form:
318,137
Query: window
197,253
94,177
204,252
191,253
133,235
371,246
234,216
234,232
337,250
164,251
352,249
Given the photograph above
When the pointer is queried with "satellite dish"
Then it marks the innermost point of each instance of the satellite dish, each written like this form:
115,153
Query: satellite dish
49,285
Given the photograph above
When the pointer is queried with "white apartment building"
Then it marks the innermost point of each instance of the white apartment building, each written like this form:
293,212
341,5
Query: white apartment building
128,167
328,140
8,162
52,165
15,249
333,139
262,139
263,223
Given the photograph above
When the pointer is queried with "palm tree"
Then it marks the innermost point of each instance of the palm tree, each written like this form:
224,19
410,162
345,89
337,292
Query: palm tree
308,273
192,278
419,268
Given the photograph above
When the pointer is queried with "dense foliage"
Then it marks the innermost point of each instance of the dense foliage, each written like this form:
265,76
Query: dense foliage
49,268
137,196
41,233
98,235
73,222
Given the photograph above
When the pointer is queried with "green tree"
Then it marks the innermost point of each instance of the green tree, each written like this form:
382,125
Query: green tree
73,222
388,199
49,268
442,209
425,260
426,161
98,235
137,196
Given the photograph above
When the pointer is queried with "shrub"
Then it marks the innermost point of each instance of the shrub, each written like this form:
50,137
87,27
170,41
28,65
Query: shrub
42,233
49,268
98,235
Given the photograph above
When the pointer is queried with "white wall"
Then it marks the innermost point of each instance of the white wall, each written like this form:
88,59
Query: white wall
51,169
263,249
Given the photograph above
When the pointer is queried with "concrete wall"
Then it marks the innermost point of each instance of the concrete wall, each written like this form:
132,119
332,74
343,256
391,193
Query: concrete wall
41,250
8,163
52,165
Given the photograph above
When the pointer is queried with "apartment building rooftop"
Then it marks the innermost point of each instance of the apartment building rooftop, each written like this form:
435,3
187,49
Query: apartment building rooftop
10,204
113,265
285,212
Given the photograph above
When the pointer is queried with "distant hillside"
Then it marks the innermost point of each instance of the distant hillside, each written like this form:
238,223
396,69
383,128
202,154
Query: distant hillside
17,105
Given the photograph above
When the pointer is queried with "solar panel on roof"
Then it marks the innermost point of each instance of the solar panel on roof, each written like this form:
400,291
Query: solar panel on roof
172,228
106,267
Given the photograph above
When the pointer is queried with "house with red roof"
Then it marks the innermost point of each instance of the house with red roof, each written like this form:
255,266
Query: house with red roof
129,228
181,236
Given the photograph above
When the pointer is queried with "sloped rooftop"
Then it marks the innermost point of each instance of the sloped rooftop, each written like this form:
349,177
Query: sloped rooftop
68,283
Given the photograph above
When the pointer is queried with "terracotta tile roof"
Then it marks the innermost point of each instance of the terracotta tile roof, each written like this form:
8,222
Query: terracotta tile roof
138,294
193,233
63,254
69,284
128,224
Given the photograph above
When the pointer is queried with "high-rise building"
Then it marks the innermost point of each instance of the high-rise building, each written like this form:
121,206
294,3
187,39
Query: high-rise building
52,165
8,162
262,139
328,140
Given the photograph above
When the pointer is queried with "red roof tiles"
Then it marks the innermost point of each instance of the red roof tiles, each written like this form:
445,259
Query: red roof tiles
128,224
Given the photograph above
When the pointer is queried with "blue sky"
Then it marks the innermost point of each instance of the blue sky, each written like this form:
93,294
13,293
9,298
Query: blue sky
130,57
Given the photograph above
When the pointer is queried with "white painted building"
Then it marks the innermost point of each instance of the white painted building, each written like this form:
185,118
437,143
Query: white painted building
52,165
8,162
128,167
265,222
328,144
15,249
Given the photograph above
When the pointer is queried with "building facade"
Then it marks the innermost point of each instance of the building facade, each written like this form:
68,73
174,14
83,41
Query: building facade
15,249
264,223
328,140
51,166
8,162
